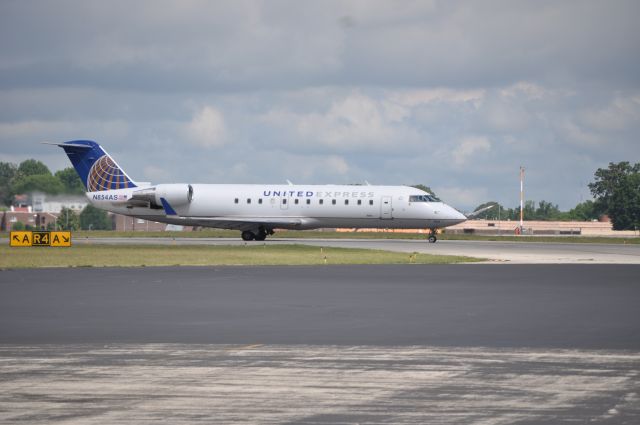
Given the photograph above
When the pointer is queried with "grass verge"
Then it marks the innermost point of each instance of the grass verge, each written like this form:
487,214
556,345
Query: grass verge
185,255
220,233
309,234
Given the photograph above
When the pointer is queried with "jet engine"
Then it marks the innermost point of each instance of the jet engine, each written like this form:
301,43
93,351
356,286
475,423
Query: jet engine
174,194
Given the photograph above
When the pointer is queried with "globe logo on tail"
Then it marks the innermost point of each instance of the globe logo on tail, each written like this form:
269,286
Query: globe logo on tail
106,175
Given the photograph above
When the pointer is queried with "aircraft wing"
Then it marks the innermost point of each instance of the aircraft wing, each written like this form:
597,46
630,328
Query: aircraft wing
243,223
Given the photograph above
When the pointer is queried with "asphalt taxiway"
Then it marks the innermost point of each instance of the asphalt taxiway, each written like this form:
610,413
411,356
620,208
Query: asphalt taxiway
442,344
557,306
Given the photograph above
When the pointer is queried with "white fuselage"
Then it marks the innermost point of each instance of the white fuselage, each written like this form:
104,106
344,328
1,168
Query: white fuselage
237,206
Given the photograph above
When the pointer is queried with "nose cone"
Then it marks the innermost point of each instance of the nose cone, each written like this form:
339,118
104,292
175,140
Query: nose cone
454,216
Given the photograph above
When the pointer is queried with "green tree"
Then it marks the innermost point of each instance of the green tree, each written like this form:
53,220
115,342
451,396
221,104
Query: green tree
547,211
17,226
8,172
92,218
617,192
32,167
70,180
68,220
529,210
37,183
584,211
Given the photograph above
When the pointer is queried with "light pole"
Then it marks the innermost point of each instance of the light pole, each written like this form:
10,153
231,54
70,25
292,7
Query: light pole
521,199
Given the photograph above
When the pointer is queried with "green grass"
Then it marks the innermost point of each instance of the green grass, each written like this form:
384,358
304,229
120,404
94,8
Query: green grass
220,233
185,255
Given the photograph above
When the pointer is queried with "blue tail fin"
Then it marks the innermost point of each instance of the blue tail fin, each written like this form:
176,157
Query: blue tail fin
97,170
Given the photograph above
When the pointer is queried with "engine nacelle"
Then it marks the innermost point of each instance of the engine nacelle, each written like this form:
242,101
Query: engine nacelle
174,194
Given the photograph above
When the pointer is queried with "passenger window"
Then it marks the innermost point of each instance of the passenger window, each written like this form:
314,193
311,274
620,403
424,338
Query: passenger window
308,201
296,201
346,202
248,200
321,201
260,200
370,201
333,201
359,201
236,200
284,201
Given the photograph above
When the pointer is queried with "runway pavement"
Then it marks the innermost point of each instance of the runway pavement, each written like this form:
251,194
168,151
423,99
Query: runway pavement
482,344
559,306
513,252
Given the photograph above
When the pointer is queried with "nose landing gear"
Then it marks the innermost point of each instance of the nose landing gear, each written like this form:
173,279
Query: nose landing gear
432,236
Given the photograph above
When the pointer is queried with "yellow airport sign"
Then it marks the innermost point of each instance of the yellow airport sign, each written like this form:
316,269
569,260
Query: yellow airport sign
60,238
20,239
40,239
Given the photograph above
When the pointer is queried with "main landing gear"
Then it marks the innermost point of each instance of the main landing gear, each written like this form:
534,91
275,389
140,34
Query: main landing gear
260,235
432,236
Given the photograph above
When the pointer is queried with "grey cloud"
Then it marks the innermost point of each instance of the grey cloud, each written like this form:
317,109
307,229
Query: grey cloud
191,46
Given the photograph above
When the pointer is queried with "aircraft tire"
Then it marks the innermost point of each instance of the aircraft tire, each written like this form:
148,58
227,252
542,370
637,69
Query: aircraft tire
248,235
261,236
433,239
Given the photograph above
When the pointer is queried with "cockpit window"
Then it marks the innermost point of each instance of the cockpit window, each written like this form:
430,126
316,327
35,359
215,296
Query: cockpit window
423,198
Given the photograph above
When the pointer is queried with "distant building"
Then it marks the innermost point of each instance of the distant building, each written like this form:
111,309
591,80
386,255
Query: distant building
20,202
42,202
30,219
123,223
39,211
12,217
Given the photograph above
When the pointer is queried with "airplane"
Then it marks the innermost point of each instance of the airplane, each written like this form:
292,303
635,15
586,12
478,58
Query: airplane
255,209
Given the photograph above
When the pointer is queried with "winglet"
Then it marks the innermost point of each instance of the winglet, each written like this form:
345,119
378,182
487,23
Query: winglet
480,211
167,208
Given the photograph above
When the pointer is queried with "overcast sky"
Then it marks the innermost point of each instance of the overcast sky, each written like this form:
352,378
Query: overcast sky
454,95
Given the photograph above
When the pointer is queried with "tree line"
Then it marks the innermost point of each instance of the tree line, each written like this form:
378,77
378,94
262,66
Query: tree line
543,210
616,193
34,176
